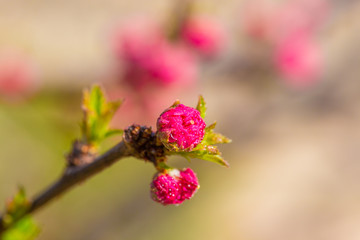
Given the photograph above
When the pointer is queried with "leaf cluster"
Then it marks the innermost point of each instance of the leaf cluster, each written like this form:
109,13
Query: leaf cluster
97,114
21,228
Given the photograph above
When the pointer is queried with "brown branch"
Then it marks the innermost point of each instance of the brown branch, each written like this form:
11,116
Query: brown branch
73,176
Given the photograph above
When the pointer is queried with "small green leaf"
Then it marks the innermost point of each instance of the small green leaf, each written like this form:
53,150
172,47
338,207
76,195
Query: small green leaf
214,158
211,137
98,113
113,132
177,102
201,106
205,155
24,229
161,166
97,100
16,207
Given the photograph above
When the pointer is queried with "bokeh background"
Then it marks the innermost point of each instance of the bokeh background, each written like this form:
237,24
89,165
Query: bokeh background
281,78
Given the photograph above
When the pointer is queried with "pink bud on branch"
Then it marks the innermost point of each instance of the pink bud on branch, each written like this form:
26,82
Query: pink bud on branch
181,127
181,130
174,186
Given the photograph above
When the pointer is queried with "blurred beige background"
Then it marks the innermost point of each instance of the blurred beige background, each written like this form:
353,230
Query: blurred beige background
294,158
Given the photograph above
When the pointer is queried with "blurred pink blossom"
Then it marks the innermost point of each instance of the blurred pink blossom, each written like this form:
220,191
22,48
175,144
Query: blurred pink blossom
204,35
149,59
18,76
299,60
273,22
258,19
297,16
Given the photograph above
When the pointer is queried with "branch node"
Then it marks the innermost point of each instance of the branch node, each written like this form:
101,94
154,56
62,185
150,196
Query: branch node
81,154
144,144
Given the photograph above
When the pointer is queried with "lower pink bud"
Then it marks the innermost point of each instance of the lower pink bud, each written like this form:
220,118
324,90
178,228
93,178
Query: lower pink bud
188,184
165,188
174,187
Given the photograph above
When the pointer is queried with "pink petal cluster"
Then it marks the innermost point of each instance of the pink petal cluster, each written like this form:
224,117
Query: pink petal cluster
174,186
181,127
203,35
148,58
18,76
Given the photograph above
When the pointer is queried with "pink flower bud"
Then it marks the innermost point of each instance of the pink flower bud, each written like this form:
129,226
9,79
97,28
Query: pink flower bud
188,184
165,188
181,127
174,186
204,35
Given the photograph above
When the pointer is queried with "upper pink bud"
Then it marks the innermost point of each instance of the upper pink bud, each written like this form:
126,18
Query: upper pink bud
204,35
181,127
174,186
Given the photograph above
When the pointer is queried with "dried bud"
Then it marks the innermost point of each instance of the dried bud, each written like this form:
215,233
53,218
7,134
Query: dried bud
81,154
181,128
144,143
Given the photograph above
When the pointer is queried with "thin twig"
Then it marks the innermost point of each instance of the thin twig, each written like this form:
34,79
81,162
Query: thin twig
73,176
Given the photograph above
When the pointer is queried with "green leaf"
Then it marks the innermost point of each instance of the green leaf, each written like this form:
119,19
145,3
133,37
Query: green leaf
16,207
211,137
98,113
206,149
24,229
206,155
177,102
201,106
19,227
113,132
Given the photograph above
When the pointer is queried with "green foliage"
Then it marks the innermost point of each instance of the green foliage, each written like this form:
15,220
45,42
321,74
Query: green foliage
24,229
98,113
211,137
206,149
16,207
177,102
21,228
201,106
